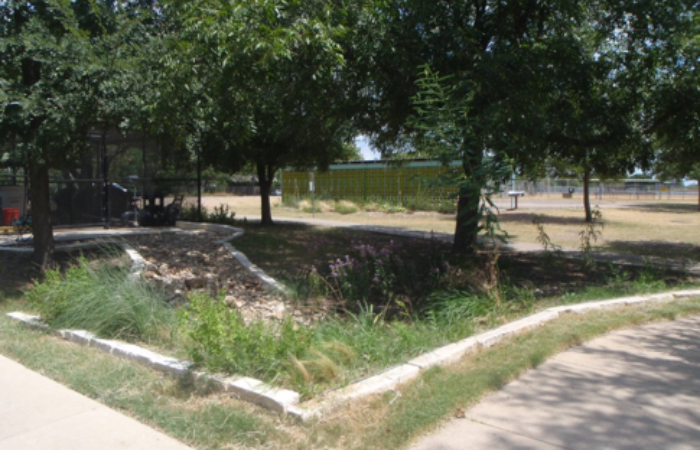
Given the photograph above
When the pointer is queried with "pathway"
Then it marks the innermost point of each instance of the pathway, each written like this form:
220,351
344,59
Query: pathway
632,389
37,413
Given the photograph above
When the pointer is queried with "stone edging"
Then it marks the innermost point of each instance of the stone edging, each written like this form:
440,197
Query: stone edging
452,353
287,401
248,389
243,259
137,261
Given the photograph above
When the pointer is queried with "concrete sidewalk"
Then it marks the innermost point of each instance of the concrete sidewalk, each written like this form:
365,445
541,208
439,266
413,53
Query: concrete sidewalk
632,389
37,413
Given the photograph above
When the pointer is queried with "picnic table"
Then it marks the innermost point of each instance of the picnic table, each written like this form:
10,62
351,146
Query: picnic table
515,195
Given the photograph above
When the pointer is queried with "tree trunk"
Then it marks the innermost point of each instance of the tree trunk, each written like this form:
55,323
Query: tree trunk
586,195
266,174
42,228
467,228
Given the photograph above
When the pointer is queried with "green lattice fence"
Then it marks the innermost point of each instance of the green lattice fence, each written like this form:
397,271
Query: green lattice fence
371,181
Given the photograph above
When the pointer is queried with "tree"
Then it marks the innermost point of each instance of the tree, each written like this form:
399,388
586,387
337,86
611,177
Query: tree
674,109
497,59
444,130
274,80
65,67
599,100
538,80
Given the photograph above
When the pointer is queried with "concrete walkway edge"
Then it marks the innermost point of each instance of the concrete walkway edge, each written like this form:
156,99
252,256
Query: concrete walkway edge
37,413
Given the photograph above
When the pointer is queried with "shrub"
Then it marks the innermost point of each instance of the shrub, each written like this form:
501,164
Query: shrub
106,301
370,206
222,215
387,274
189,213
345,207
308,207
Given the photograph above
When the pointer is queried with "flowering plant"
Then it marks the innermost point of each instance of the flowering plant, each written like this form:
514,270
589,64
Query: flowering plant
380,273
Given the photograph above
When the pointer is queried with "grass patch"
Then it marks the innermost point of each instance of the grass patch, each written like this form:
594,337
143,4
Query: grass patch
398,302
205,421
103,298
389,423
211,421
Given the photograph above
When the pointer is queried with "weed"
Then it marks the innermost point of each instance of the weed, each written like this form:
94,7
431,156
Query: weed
591,232
222,341
543,238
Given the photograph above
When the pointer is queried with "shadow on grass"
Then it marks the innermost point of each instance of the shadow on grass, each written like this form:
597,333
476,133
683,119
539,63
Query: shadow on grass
684,208
660,249
513,217
288,250
17,270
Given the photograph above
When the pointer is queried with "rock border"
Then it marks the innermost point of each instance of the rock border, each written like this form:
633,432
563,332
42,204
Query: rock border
287,402
245,388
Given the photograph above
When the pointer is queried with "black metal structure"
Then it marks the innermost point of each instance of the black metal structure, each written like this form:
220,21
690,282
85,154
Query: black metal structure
118,179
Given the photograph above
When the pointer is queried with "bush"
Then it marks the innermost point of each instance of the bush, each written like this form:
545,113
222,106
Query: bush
387,274
222,215
422,204
345,207
103,300
189,213
222,341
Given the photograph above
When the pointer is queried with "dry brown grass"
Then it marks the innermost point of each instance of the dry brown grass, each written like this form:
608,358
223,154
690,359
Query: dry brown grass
654,227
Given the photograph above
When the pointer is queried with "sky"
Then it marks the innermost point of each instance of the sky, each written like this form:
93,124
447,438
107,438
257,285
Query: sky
367,153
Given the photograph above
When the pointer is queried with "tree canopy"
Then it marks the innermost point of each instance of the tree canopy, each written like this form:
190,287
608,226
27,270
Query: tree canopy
270,75
65,67
598,85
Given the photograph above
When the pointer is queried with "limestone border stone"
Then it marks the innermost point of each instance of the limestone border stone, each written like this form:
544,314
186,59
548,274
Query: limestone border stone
248,389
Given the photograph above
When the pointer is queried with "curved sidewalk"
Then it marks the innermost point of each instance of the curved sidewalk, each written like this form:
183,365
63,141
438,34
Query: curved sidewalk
632,389
37,413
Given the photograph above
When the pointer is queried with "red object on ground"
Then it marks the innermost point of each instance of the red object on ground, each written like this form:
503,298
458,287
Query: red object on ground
9,215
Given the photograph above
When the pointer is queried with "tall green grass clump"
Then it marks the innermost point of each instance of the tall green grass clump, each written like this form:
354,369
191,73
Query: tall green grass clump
104,300
223,342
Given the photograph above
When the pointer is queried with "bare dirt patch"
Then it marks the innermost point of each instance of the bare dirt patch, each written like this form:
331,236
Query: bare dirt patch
187,263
